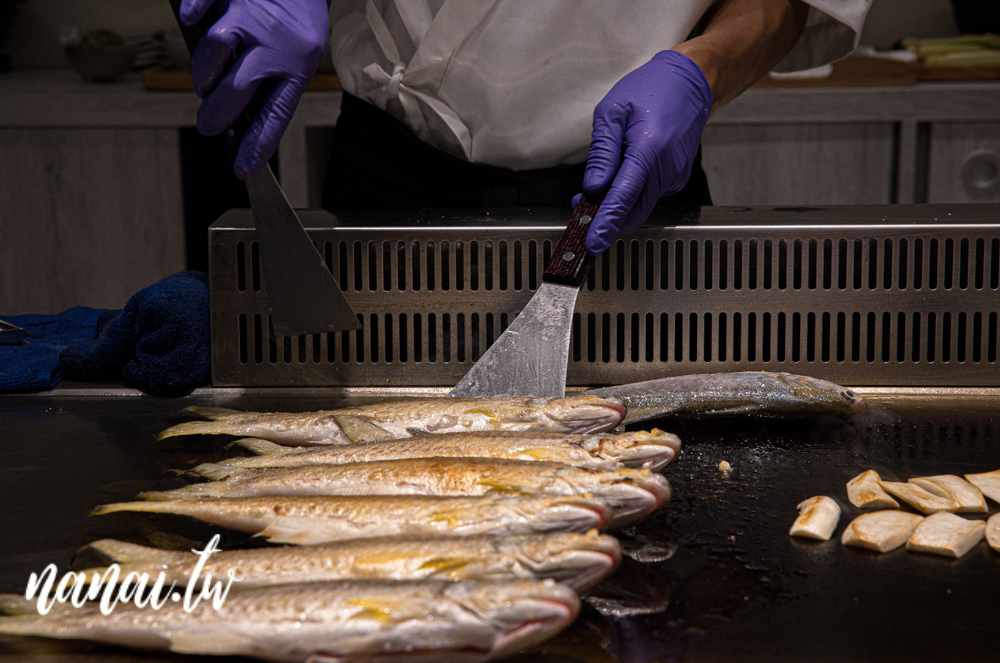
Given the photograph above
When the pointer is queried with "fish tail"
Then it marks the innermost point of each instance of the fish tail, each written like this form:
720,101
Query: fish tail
150,507
191,490
259,446
196,428
155,495
121,552
26,625
211,412
214,471
14,605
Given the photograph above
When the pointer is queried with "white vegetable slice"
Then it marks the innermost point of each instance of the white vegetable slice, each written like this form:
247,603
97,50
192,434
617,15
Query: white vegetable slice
993,531
988,482
968,498
864,492
818,517
946,534
918,498
880,530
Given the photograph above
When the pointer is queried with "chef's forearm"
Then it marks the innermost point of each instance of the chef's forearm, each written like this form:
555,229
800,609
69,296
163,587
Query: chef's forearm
742,40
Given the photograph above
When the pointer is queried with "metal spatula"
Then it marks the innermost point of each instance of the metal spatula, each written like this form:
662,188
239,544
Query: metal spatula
303,295
531,356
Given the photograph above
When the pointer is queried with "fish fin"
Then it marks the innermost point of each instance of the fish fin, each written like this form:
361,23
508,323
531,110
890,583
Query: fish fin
195,428
215,471
360,430
259,446
211,412
323,657
210,642
416,432
121,552
286,532
15,605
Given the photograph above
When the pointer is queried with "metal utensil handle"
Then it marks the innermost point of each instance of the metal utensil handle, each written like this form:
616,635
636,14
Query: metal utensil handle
192,35
570,262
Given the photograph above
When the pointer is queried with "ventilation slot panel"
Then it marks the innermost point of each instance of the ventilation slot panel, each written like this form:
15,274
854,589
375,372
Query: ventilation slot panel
859,304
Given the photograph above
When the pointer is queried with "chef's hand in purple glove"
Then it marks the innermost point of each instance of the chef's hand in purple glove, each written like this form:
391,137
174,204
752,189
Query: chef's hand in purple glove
646,135
274,45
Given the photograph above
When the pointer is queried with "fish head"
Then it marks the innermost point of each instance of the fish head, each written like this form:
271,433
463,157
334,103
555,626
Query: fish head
583,413
521,613
640,449
559,514
632,495
831,395
578,560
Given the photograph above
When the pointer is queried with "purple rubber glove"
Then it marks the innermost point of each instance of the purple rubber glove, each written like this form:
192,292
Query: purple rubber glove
277,46
646,133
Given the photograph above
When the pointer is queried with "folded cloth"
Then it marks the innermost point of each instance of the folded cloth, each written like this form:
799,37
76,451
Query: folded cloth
160,341
34,364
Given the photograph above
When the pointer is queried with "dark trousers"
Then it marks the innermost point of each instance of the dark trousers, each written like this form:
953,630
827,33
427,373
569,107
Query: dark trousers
377,163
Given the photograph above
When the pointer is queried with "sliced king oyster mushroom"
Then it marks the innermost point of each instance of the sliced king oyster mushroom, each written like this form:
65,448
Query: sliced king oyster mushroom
993,531
864,492
946,534
919,498
968,498
988,482
818,517
881,531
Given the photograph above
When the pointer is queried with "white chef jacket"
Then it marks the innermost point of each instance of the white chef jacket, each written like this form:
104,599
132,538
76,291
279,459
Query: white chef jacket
514,83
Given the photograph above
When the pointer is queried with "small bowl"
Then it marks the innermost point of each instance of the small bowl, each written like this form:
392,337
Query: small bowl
100,64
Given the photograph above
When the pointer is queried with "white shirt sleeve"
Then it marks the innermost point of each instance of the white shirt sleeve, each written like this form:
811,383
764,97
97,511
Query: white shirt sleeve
832,30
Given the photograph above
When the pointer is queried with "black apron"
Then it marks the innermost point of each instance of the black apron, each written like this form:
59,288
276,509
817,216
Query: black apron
377,163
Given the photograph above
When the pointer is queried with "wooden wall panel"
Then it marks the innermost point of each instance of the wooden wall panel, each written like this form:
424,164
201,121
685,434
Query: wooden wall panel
89,216
799,164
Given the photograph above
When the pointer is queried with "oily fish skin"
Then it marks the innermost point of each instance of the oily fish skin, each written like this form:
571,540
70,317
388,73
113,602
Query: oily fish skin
578,560
636,449
308,520
410,622
735,394
632,494
572,414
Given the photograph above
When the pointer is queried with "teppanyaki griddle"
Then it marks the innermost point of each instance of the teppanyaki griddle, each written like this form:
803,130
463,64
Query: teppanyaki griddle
727,582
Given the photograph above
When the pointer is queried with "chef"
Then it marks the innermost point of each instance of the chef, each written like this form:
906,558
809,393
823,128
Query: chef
489,103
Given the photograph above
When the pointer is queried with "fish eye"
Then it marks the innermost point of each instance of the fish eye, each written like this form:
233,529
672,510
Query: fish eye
848,394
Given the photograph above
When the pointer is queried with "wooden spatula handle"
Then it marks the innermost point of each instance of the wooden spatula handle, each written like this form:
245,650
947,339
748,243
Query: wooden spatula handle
570,261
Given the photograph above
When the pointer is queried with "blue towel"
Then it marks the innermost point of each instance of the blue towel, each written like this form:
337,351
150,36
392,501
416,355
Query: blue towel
160,342
34,365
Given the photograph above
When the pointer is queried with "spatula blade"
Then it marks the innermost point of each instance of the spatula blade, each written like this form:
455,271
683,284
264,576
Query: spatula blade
530,357
302,293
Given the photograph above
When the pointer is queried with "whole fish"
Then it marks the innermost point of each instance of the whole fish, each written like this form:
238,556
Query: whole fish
335,622
320,519
572,414
649,449
574,559
734,394
632,494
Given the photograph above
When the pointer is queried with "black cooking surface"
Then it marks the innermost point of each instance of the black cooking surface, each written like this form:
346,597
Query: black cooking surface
721,579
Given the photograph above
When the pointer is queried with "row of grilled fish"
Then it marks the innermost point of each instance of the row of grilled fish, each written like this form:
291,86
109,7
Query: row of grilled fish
596,411
517,555
511,516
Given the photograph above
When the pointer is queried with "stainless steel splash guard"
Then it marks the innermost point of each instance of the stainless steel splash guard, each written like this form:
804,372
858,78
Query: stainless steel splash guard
903,295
